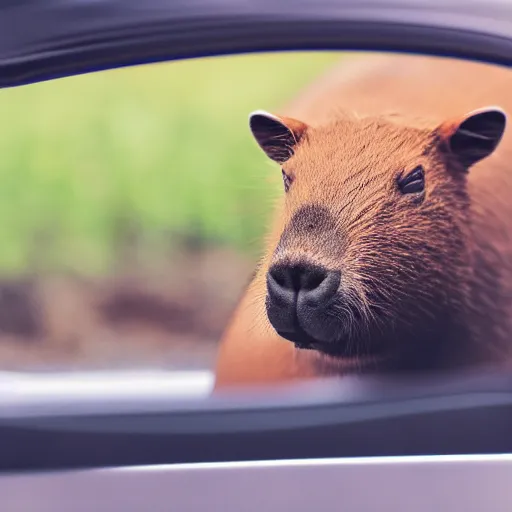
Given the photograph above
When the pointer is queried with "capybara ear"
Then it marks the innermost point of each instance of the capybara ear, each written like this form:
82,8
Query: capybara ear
474,136
277,136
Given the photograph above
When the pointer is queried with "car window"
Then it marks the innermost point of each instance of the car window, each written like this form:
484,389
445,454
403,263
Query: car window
263,218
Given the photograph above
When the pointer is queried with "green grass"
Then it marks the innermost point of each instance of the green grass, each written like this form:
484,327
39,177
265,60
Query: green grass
152,152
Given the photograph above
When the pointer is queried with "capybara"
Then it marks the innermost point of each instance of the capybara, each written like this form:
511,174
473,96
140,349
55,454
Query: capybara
390,248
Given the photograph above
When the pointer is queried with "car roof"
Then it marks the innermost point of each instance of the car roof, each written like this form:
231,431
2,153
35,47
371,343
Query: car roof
46,39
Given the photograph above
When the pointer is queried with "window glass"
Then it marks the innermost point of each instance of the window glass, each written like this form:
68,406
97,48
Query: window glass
266,218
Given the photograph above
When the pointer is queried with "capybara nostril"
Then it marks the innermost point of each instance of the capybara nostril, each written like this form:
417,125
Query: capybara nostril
301,285
297,297
319,287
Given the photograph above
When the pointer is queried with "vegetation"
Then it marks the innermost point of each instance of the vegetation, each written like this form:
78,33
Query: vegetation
139,156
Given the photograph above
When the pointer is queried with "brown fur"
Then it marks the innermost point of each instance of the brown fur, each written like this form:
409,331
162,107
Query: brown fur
443,266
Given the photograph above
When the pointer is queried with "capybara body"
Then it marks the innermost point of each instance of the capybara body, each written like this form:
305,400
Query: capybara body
390,247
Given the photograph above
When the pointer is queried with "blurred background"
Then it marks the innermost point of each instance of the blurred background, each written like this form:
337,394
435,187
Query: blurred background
133,204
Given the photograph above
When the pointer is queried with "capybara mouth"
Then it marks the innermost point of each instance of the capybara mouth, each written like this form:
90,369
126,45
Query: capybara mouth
304,341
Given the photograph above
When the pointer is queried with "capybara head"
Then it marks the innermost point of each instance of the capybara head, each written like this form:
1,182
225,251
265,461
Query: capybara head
373,259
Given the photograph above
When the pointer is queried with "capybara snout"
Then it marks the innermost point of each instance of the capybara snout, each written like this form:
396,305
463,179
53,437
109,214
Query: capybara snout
299,298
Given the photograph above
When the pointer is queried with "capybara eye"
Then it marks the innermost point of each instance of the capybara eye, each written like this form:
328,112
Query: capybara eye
286,180
414,182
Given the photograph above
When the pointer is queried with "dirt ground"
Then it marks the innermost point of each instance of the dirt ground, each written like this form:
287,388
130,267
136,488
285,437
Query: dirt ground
168,317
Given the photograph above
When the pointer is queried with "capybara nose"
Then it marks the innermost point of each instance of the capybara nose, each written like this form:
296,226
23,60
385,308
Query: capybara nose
299,286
